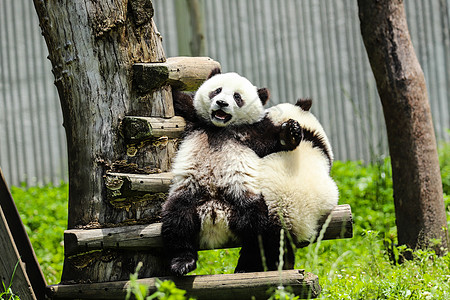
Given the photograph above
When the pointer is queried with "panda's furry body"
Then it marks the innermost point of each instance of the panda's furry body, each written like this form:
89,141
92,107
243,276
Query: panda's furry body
296,185
215,195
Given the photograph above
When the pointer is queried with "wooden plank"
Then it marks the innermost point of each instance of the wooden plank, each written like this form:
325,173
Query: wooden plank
30,278
147,236
182,73
21,285
224,286
136,129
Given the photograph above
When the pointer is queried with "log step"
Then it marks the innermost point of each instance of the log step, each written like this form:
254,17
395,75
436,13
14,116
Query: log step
136,129
182,73
223,286
153,183
138,237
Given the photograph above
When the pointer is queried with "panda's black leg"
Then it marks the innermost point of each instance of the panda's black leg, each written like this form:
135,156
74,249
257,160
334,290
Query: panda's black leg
180,228
250,258
289,257
264,254
271,249
248,220
273,242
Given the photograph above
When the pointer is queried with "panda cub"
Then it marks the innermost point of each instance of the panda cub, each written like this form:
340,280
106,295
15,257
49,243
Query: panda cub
215,195
296,185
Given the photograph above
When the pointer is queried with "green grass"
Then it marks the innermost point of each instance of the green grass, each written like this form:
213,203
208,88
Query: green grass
358,268
6,292
44,212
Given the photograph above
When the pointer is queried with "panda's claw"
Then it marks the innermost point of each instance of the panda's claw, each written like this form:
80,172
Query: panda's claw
291,134
182,265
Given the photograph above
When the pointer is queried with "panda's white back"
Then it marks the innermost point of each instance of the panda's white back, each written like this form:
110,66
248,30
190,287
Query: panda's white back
297,183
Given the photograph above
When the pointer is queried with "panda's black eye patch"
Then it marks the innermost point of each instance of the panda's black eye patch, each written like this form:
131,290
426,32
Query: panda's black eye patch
215,93
238,98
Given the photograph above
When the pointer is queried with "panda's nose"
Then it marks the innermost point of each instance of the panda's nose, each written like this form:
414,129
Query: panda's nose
221,103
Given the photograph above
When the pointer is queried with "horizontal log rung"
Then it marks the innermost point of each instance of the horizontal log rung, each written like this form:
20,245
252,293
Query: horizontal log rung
139,237
136,129
153,183
223,286
182,73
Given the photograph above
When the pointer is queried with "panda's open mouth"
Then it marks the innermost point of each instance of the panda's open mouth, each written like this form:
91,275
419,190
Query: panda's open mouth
221,116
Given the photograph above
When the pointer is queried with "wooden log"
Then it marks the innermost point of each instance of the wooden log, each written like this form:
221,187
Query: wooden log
140,237
182,73
136,129
341,215
136,237
338,224
126,191
224,286
155,183
9,257
92,49
29,281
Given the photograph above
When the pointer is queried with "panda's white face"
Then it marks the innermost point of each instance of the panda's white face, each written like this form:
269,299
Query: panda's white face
228,99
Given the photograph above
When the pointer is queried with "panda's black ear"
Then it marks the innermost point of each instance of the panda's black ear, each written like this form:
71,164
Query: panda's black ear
214,71
304,103
264,95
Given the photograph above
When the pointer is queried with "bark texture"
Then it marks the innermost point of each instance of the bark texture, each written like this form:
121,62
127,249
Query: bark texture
418,197
92,47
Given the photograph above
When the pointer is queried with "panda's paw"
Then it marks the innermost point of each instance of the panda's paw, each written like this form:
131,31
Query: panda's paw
182,265
291,134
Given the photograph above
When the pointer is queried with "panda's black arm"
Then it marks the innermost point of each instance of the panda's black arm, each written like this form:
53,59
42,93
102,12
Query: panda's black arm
266,138
184,106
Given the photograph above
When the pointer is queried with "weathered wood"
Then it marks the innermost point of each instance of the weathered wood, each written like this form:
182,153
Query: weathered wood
225,286
136,129
155,183
339,223
182,73
92,47
149,236
418,196
148,191
21,285
29,282
136,237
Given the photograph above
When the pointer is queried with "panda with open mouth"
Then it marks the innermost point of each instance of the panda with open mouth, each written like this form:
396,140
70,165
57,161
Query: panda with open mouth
215,196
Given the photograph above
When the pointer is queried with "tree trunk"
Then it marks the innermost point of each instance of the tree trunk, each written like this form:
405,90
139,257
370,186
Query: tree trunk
92,46
418,197
196,16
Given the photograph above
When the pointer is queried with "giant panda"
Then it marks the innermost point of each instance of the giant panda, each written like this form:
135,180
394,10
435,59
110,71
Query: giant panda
296,185
215,196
